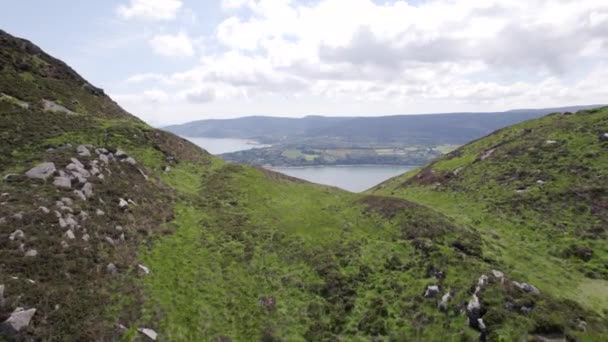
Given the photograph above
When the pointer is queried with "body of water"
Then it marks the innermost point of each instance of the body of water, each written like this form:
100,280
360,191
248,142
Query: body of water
355,178
225,145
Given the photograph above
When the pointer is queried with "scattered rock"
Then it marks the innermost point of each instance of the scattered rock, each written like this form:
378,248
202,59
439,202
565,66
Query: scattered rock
104,159
78,169
483,279
71,222
41,171
167,168
2,220
143,174
540,182
64,244
527,287
119,228
2,300
130,160
111,268
498,275
101,151
487,154
604,137
44,210
70,235
51,106
67,201
31,253
11,177
122,204
87,190
120,154
17,235
550,142
83,151
443,305
431,291
62,182
18,320
62,223
144,269
99,212
77,162
151,334
473,310
86,237
80,195
110,240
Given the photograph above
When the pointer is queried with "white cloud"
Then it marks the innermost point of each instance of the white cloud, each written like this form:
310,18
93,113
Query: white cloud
150,9
179,45
394,57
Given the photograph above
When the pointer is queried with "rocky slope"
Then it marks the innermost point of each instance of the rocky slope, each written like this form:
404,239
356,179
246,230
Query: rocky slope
111,230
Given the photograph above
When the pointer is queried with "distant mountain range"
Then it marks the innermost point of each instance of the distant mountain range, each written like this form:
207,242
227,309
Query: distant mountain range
436,129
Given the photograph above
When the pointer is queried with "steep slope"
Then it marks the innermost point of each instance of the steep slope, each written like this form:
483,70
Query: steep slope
538,194
136,234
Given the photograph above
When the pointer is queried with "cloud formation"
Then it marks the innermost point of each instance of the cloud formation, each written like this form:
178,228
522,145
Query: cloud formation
178,45
496,53
150,9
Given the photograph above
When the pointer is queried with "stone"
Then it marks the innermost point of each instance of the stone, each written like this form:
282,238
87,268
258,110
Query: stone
99,212
525,309
101,177
473,311
130,160
604,137
71,222
67,201
431,291
19,319
41,171
64,244
480,324
31,253
68,209
50,106
62,223
540,182
122,204
443,304
2,300
77,162
111,268
11,177
83,151
487,154
167,168
527,287
87,190
144,269
86,237
70,235
62,182
95,171
110,240
143,174
483,279
80,195
101,151
119,228
104,159
44,210
2,220
18,216
498,274
120,154
149,333
79,169
17,235
550,142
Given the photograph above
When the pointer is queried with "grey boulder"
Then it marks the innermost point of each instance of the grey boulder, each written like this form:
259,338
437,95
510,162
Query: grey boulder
18,320
41,171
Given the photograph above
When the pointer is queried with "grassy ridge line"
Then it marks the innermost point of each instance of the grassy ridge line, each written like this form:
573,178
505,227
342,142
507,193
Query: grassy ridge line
535,226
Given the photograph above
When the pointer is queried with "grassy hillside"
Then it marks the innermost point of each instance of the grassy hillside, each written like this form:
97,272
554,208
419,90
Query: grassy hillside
538,194
151,236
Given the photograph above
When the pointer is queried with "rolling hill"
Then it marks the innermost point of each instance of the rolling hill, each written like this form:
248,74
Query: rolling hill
113,230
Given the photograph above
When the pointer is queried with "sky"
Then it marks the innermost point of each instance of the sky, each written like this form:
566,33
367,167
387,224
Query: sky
172,61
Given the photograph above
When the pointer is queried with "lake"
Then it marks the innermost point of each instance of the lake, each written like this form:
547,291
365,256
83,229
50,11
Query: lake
355,178
225,145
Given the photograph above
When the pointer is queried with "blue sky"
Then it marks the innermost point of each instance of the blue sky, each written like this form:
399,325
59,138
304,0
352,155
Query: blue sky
171,61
